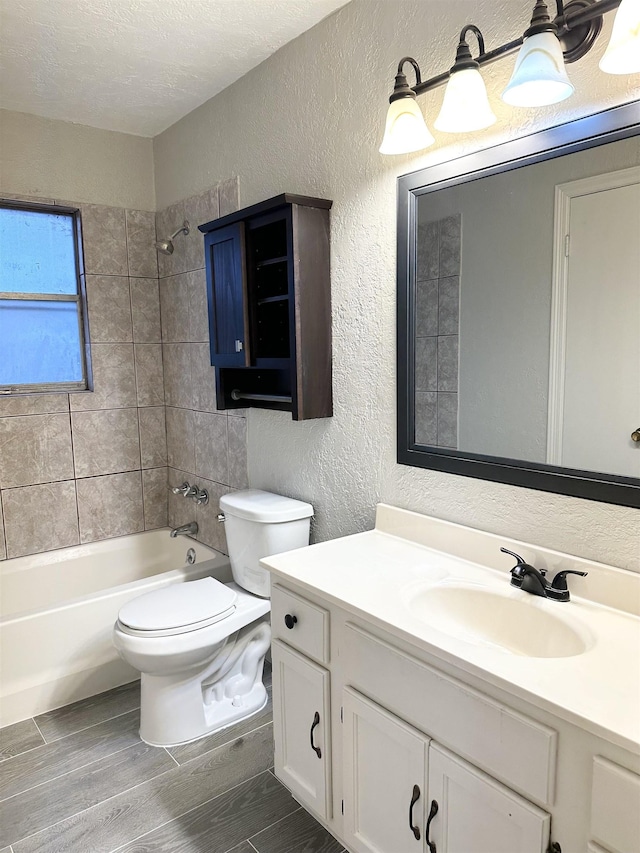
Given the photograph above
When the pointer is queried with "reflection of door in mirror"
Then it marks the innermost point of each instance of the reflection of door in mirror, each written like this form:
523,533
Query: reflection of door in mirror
594,378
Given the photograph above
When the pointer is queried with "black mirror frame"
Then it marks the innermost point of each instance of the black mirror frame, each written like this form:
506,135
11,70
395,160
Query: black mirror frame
608,126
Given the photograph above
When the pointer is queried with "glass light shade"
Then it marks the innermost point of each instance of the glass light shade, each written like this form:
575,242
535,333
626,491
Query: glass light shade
465,106
405,130
539,77
622,56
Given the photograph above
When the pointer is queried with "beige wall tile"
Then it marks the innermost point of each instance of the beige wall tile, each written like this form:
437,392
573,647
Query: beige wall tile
110,506
198,210
237,433
154,496
141,236
198,309
181,510
149,374
104,240
40,518
211,446
3,550
109,305
210,530
105,442
33,404
180,439
178,384
153,437
145,310
113,377
35,449
174,308
203,378
229,196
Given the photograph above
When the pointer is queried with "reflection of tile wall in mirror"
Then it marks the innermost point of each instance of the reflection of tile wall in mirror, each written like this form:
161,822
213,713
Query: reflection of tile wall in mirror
437,316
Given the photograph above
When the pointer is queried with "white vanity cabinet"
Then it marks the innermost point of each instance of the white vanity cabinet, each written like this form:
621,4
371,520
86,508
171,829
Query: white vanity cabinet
301,694
390,770
522,754
403,792
476,813
385,775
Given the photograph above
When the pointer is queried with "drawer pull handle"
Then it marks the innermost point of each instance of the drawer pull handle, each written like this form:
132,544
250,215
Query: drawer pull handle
316,722
290,620
414,799
432,813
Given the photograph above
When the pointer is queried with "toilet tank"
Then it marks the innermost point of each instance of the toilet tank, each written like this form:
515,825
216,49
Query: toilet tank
259,524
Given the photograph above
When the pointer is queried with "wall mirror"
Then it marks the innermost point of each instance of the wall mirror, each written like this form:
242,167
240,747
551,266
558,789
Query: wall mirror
519,311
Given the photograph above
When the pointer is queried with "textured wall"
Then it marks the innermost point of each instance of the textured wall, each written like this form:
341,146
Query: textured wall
90,465
57,159
309,120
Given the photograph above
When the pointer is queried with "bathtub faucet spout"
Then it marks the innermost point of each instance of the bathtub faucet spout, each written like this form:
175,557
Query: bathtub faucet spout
190,529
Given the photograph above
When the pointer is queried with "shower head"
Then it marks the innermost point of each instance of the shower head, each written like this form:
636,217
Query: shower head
166,246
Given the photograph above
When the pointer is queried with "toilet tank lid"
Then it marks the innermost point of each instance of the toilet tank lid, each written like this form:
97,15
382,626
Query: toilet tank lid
265,507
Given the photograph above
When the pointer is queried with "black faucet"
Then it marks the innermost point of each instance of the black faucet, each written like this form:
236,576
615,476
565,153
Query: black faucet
532,580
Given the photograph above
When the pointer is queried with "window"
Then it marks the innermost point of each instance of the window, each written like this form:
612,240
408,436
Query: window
42,316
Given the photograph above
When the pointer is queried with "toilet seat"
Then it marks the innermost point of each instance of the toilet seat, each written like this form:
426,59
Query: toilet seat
178,609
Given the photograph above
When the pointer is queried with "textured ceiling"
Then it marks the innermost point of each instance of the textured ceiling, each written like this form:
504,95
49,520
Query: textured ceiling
137,66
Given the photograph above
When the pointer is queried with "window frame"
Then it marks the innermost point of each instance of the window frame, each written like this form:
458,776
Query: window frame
79,298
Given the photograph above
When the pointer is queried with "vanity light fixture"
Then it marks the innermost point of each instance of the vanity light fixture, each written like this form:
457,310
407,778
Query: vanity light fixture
622,56
465,105
539,76
406,129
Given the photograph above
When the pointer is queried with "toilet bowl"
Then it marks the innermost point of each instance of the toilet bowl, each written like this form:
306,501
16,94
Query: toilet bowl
200,645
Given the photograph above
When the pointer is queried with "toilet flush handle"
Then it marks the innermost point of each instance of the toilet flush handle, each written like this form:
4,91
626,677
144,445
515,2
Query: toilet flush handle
220,517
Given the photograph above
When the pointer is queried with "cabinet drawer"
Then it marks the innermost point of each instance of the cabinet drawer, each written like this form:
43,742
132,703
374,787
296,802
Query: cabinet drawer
309,631
615,807
510,747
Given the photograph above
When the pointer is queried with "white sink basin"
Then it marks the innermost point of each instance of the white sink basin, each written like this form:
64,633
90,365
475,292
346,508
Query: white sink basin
521,624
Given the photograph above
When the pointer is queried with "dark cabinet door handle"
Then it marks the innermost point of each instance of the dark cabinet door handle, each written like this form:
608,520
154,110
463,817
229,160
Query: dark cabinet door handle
290,620
316,722
433,811
414,799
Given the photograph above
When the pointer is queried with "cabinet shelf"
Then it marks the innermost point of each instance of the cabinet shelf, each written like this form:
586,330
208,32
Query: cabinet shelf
268,299
271,261
270,318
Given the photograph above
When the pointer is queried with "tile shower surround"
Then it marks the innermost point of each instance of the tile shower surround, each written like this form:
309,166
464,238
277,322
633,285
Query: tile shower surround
87,466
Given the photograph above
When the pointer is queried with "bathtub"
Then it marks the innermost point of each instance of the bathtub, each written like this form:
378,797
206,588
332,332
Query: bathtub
58,609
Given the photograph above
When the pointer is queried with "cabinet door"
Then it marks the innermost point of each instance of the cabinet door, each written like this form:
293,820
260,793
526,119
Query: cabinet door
301,727
385,764
227,296
476,814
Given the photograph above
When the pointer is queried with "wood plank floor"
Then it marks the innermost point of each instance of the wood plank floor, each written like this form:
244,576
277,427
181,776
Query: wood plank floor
80,780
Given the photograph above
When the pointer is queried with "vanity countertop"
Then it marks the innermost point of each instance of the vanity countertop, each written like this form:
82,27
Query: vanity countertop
374,575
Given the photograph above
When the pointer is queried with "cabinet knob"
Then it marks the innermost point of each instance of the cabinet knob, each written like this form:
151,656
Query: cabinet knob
635,435
290,620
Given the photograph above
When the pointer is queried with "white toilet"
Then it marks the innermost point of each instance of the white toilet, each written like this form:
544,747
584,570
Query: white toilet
200,645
